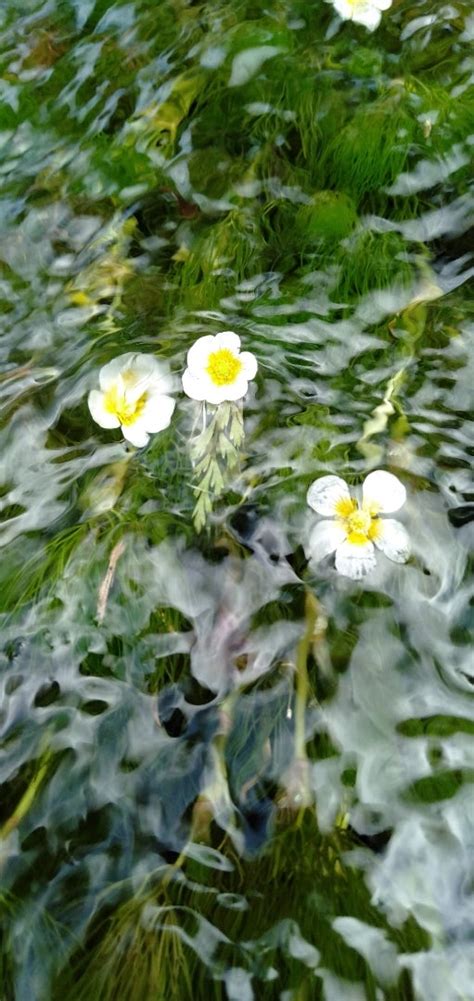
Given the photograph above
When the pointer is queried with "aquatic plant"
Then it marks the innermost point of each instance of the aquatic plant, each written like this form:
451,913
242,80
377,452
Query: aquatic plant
226,772
217,371
366,12
357,529
134,396
215,453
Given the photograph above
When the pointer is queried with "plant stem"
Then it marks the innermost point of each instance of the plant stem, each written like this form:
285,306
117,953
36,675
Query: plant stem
302,683
26,801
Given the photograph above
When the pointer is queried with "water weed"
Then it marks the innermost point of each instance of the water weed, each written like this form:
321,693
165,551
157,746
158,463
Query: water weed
227,769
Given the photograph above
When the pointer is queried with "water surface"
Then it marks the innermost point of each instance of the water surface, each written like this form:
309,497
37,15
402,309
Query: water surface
226,773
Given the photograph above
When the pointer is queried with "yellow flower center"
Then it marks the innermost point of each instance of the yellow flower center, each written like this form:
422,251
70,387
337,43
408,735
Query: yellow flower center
360,524
345,507
127,411
223,367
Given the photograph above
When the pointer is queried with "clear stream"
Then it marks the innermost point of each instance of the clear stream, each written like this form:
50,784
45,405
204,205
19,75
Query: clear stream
227,773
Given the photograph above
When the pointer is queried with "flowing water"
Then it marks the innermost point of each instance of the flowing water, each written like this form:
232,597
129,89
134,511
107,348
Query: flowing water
228,772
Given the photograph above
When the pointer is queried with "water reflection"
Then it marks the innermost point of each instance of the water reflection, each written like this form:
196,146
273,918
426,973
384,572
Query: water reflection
223,772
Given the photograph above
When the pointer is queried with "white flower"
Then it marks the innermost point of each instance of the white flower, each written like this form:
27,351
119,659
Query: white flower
366,12
134,396
217,370
357,528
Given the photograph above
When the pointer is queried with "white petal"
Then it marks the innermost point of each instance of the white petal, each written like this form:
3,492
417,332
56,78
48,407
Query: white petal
199,353
101,416
146,369
152,371
344,9
383,491
382,4
324,494
393,540
145,379
355,561
136,434
109,373
157,412
369,16
144,365
194,386
227,339
325,537
212,393
249,363
132,391
203,388
222,394
234,390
